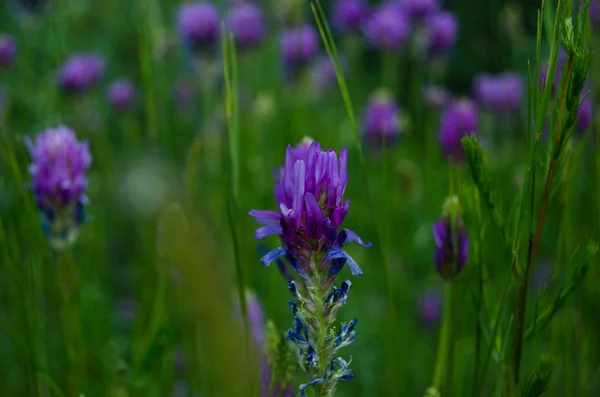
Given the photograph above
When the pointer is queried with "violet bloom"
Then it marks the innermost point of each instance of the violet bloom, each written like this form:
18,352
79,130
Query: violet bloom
435,97
430,308
451,247
458,120
59,165
8,48
199,25
120,94
349,14
381,117
299,46
442,29
501,93
420,9
245,21
80,72
309,192
585,115
387,28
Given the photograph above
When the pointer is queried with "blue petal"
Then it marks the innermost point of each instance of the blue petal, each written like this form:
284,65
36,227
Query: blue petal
336,254
271,256
348,236
313,382
354,269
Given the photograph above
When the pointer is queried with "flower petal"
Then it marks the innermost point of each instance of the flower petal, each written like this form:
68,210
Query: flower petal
348,236
354,269
271,256
299,183
341,187
267,230
265,217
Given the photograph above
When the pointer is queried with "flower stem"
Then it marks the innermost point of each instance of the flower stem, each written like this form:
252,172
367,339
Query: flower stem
444,356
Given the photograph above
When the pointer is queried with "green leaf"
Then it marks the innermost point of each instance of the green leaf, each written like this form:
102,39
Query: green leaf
539,381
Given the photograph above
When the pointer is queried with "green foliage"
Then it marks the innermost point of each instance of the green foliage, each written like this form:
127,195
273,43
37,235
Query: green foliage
538,382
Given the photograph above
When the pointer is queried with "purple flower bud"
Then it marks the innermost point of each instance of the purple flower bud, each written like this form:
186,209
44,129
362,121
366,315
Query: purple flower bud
349,14
309,191
442,29
245,21
459,119
8,48
59,165
420,9
430,308
387,28
80,72
198,25
451,247
299,46
585,115
381,117
500,93
436,97
120,94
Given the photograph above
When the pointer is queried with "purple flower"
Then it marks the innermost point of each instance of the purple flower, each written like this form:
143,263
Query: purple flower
595,12
442,29
458,120
435,96
80,72
299,46
387,28
309,192
59,165
349,14
256,319
451,247
198,25
420,9
430,308
500,93
585,114
381,117
245,21
8,48
120,94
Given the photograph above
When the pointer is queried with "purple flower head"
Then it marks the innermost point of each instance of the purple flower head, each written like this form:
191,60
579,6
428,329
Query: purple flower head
500,93
585,114
381,117
420,9
120,94
459,119
80,72
349,14
442,29
59,165
436,97
299,46
451,244
198,24
309,192
245,21
430,308
387,28
8,48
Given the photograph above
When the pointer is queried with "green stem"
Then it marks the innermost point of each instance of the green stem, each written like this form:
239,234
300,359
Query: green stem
441,368
69,321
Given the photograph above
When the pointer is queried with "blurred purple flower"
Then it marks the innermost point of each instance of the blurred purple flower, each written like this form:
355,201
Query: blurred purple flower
542,277
309,191
500,93
349,14
388,27
381,117
299,46
8,48
120,94
269,388
58,172
420,9
595,12
459,119
323,73
585,114
245,21
441,29
256,319
435,96
80,72
451,247
199,25
430,308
